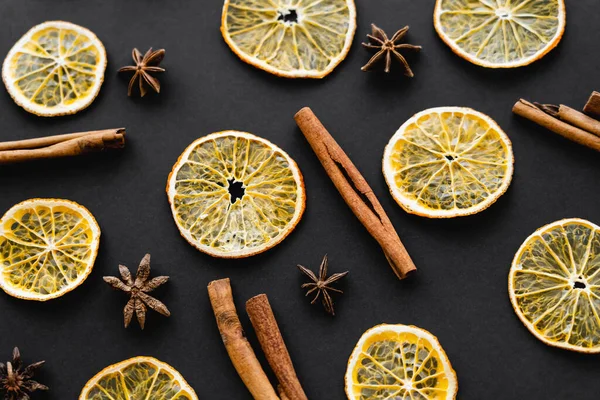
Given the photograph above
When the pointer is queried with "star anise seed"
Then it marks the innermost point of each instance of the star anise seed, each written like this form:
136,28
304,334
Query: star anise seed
142,69
17,382
386,48
137,290
321,284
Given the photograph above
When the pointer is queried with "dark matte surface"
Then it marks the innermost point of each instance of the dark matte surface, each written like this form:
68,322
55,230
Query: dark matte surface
460,290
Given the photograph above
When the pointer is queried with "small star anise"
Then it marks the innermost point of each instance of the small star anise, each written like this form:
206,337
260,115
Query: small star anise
387,48
138,290
142,68
16,381
322,284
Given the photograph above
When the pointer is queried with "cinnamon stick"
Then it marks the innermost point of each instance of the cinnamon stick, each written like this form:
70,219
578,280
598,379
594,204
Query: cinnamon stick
268,333
533,113
370,212
68,145
593,104
239,349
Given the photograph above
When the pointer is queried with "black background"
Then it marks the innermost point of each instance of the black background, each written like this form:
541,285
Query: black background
460,290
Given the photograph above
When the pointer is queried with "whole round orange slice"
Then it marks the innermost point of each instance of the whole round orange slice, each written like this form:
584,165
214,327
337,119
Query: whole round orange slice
399,362
138,378
448,162
56,68
554,285
234,194
293,39
500,33
47,248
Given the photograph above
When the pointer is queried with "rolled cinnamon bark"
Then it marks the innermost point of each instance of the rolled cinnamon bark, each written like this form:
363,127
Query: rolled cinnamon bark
353,190
529,110
239,349
268,333
593,104
68,145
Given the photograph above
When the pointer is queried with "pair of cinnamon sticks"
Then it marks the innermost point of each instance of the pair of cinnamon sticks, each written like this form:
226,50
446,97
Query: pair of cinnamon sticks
240,351
566,121
72,144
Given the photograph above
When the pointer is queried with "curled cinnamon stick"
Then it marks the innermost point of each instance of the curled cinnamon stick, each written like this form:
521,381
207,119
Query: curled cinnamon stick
68,145
371,214
593,104
240,352
572,116
533,113
268,333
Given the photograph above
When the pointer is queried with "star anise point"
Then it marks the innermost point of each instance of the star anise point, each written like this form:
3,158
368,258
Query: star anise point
144,65
322,284
137,289
17,382
386,48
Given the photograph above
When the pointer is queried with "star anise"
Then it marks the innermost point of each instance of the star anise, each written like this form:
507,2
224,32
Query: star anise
386,48
17,382
137,290
142,68
321,284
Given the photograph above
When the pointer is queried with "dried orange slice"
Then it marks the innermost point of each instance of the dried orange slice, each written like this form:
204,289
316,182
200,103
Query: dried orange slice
47,248
56,68
399,362
448,162
293,39
138,378
234,194
500,33
554,285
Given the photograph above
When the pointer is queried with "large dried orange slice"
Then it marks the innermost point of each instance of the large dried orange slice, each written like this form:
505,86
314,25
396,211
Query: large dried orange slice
294,39
554,285
138,378
399,362
500,33
56,68
448,162
234,194
47,248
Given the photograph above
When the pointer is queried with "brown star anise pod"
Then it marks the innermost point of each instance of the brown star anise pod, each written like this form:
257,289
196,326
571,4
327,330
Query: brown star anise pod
138,290
142,68
16,381
386,48
321,284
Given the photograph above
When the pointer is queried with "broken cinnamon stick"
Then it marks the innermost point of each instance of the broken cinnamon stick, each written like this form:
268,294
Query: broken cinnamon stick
369,213
593,104
268,333
239,349
68,145
533,113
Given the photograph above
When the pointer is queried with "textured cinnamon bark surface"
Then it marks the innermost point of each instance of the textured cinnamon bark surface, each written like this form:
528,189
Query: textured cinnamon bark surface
69,145
268,333
370,212
529,110
579,119
239,349
593,104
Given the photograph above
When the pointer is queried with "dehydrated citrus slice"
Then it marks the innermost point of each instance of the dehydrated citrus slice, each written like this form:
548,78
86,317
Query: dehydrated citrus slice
55,69
47,248
234,194
448,162
138,378
554,285
500,33
399,362
294,39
